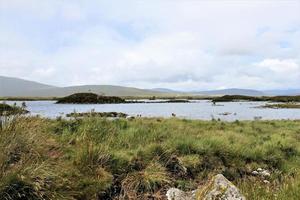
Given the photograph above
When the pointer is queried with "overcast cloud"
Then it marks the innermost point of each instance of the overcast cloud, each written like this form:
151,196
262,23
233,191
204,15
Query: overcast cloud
179,44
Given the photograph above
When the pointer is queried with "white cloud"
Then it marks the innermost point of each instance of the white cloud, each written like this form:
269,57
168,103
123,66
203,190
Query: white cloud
178,44
280,66
72,12
43,72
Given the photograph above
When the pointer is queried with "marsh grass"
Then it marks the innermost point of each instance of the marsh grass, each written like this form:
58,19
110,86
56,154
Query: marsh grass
95,158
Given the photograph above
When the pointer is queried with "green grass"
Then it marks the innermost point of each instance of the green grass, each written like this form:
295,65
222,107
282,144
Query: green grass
95,158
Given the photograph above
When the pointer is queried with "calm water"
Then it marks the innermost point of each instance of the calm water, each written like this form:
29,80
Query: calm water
196,110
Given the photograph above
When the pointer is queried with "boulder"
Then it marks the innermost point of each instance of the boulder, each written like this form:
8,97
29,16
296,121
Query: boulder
218,188
176,194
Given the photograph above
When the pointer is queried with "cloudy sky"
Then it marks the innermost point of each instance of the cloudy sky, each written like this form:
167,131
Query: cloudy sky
178,44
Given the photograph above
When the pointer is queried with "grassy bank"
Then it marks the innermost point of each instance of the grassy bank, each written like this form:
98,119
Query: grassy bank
231,98
94,158
282,105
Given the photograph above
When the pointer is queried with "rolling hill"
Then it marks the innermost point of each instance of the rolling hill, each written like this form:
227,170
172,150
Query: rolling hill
15,87
233,91
283,92
19,87
109,90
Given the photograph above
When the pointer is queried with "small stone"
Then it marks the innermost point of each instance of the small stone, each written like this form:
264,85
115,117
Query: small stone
259,169
265,173
266,181
255,173
130,117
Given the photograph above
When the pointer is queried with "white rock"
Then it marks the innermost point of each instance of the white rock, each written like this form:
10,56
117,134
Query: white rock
259,169
222,189
219,188
255,173
176,194
130,117
265,173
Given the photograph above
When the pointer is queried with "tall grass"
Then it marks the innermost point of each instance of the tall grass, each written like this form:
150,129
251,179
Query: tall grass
95,158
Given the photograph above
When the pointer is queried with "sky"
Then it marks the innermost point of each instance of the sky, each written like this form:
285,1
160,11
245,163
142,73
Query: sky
178,44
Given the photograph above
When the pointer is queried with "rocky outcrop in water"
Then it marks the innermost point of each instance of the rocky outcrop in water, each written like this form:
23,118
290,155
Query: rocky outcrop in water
218,188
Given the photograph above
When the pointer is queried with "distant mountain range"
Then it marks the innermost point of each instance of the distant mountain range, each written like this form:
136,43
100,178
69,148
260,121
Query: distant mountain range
283,92
247,92
236,91
233,91
19,87
165,90
15,87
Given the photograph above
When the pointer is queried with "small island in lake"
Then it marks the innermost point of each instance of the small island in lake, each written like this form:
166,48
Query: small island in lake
90,98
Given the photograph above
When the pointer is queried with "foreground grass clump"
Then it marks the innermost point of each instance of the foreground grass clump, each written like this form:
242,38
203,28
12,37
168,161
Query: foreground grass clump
96,158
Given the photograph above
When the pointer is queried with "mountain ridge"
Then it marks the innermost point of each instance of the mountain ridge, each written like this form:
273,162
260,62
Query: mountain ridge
10,86
233,91
16,87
